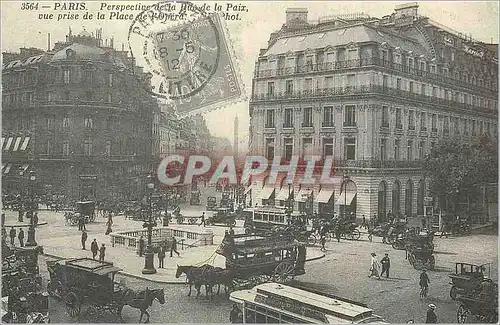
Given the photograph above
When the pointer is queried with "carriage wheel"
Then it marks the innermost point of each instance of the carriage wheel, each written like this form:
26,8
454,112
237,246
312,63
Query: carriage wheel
284,273
192,221
432,262
462,314
248,231
233,223
93,314
311,240
73,304
453,292
180,220
355,234
54,289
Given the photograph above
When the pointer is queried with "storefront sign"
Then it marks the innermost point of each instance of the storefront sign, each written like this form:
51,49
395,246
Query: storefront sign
294,307
473,51
403,21
448,40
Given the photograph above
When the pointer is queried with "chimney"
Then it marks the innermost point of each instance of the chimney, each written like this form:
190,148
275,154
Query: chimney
296,17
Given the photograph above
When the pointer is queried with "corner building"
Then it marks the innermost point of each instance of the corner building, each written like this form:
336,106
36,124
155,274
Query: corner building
377,94
79,116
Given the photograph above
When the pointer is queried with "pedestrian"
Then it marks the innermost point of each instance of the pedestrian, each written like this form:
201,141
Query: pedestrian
202,219
34,219
374,267
84,238
370,230
4,233
141,246
337,231
444,230
363,224
12,235
109,230
236,315
386,265
424,223
322,241
94,248
102,253
161,256
21,237
431,315
173,247
80,221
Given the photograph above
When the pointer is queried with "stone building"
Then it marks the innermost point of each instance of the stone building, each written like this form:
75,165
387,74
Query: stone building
377,94
79,116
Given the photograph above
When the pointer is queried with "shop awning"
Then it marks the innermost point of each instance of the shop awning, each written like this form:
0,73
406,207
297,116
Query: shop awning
7,169
266,192
25,143
303,195
345,198
7,145
17,143
283,194
324,195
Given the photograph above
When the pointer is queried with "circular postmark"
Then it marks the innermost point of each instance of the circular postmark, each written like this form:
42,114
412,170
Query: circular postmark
180,45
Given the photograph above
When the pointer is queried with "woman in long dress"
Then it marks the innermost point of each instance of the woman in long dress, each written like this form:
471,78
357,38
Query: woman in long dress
374,267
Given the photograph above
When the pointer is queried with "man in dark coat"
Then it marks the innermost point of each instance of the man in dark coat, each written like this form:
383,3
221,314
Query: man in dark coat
386,265
102,253
431,315
236,315
173,247
12,234
84,238
94,248
202,219
161,257
21,237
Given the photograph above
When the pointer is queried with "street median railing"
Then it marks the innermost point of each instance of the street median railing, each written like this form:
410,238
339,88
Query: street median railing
161,235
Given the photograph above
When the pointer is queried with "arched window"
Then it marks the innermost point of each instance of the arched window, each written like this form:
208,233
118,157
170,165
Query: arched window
409,198
396,196
382,201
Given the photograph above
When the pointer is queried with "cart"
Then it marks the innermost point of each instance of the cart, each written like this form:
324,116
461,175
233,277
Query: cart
85,281
222,216
86,210
483,309
211,203
255,259
195,198
420,250
467,278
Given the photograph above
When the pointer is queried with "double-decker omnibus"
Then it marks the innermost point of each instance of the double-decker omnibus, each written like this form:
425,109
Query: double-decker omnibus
263,219
278,303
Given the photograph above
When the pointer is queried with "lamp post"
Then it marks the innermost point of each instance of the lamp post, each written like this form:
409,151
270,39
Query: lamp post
31,231
21,198
345,178
149,224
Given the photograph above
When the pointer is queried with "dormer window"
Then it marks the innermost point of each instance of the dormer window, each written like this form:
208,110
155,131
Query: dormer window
70,54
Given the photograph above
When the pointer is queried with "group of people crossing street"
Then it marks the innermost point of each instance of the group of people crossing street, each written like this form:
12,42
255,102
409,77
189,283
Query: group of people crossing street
94,247
375,266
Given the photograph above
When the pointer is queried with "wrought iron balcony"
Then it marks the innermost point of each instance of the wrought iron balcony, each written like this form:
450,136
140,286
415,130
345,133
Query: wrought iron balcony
375,163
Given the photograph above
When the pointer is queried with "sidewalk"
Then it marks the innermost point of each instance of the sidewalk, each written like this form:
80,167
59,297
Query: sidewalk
63,241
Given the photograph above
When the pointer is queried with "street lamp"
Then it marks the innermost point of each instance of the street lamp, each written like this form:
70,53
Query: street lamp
31,231
21,190
345,179
149,224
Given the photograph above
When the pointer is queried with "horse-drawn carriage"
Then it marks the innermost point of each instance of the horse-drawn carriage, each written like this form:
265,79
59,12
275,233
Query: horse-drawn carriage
467,278
420,249
255,259
222,216
211,203
22,286
84,209
87,281
482,304
195,198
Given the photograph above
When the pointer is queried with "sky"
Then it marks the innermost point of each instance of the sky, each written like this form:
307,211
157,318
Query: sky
22,28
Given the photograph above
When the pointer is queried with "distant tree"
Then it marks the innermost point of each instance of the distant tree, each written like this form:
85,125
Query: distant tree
458,170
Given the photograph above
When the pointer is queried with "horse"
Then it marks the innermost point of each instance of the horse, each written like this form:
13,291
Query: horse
192,274
142,300
213,277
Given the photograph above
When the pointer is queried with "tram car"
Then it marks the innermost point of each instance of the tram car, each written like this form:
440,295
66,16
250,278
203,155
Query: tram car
263,220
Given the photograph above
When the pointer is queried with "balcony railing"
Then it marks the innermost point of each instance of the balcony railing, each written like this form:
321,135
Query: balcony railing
363,89
327,125
374,61
86,157
378,163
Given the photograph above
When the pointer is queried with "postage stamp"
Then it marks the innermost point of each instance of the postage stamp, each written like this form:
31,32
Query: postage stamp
188,53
